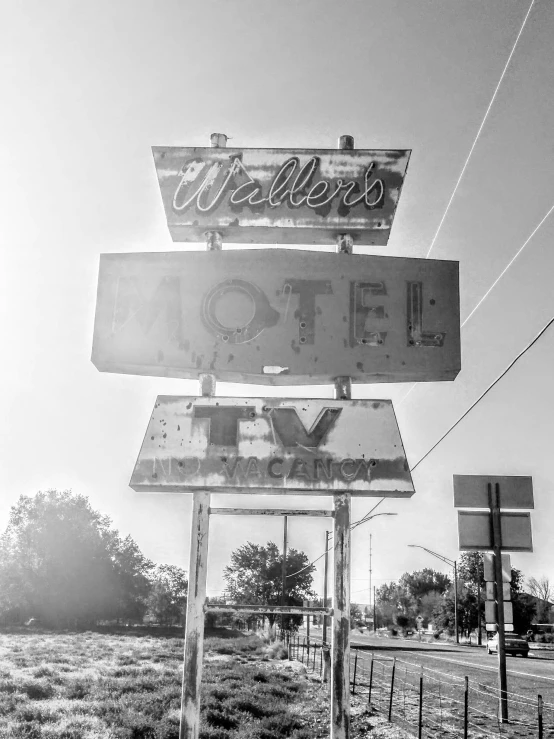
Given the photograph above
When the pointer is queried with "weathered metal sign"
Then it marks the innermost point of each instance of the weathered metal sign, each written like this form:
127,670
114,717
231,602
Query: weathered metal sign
296,196
474,531
515,491
488,568
273,445
490,590
277,316
491,612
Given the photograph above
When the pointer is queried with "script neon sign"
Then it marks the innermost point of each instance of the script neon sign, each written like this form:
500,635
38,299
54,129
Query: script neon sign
293,185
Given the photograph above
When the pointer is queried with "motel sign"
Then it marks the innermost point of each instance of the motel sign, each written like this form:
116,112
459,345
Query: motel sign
278,316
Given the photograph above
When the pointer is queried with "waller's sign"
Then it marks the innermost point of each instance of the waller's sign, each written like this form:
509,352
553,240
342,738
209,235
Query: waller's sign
296,196
273,445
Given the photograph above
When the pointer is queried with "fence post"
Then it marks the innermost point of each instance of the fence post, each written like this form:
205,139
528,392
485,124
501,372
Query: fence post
391,687
370,680
466,705
420,717
303,643
355,670
539,709
321,663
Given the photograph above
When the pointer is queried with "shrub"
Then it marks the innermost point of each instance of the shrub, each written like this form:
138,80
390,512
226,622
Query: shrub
37,690
221,718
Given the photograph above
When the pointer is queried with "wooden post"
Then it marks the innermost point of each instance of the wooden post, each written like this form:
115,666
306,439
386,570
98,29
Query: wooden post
355,671
370,680
466,706
194,629
420,714
325,579
284,571
496,538
189,727
391,688
539,710
340,646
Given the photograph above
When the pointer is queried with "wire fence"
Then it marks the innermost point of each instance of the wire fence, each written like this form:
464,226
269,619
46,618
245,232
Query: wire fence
428,702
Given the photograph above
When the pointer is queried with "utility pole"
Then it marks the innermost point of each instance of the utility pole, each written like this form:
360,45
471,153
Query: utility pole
326,568
478,604
374,613
369,608
284,570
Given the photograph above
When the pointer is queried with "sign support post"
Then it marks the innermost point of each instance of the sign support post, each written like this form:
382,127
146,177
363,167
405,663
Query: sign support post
189,727
340,645
194,629
496,536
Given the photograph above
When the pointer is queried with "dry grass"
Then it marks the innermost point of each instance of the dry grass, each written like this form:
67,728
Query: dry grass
128,686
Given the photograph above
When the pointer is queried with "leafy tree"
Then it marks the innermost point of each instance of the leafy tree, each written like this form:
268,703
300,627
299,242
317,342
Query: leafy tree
524,605
133,585
425,581
429,605
356,615
167,598
544,593
254,577
393,600
61,562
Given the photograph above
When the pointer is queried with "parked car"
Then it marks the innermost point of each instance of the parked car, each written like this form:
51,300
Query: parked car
515,644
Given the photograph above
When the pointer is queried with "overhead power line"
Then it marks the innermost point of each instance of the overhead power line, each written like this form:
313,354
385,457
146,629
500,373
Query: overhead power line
490,387
506,268
480,129
352,526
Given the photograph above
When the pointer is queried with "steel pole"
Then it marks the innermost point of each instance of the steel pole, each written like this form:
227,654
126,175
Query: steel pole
284,571
494,495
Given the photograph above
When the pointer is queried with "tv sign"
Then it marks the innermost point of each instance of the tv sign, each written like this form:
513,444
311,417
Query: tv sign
273,445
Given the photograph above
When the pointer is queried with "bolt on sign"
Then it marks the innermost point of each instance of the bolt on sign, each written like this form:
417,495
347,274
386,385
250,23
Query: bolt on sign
273,445
283,196
276,316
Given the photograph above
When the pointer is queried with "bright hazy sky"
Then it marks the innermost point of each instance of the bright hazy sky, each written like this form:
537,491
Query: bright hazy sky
87,88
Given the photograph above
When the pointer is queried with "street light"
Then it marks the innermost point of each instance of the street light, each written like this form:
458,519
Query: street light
452,563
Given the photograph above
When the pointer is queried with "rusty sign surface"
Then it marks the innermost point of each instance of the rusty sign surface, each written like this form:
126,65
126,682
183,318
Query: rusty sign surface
285,196
515,491
278,316
474,531
273,445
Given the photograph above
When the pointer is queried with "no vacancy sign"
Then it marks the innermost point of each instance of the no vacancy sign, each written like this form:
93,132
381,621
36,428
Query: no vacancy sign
280,196
278,316
273,445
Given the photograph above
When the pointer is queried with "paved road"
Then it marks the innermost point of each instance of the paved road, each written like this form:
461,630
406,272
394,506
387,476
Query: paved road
529,676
